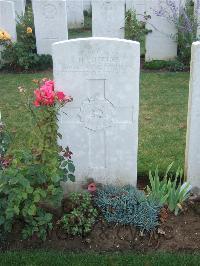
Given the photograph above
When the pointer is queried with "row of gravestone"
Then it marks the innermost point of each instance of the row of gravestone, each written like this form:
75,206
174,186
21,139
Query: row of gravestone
101,124
51,22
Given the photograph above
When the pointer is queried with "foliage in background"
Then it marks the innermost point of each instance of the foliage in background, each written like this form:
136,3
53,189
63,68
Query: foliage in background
172,65
22,54
88,19
33,175
168,191
187,31
134,29
80,216
128,206
185,19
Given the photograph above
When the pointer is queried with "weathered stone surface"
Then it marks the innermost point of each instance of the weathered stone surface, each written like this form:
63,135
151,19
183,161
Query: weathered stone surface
108,18
75,15
101,125
160,43
192,164
50,18
8,18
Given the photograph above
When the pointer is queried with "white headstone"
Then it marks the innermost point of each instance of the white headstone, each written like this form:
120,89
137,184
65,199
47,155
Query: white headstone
50,18
8,18
19,7
192,163
108,18
101,124
139,6
160,43
75,14
87,5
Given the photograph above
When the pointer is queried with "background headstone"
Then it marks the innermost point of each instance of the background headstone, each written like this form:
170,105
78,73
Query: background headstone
8,18
160,43
101,125
75,15
192,164
50,18
139,6
19,7
87,5
108,18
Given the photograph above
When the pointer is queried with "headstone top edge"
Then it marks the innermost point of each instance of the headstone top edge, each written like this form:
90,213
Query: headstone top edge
197,43
100,39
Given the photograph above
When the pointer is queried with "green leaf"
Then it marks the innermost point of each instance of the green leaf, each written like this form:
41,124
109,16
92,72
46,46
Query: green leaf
71,177
55,178
64,164
16,209
36,198
71,167
32,210
2,220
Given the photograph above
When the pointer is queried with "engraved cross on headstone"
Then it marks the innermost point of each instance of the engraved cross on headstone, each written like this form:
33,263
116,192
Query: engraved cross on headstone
97,114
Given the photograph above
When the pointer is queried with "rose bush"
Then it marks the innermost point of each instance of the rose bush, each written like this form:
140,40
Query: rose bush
33,175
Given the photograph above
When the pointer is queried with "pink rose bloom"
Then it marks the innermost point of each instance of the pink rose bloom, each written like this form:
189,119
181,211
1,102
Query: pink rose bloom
60,95
46,96
92,187
36,103
50,84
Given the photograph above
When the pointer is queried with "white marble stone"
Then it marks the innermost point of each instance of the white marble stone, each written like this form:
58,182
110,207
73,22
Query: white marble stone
139,6
87,5
101,125
8,18
50,18
192,162
19,7
75,15
108,18
160,43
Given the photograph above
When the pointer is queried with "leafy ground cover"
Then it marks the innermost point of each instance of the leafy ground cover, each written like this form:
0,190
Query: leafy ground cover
162,121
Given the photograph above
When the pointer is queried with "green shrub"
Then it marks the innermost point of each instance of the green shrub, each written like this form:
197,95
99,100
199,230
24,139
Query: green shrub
172,65
127,206
187,31
33,175
134,29
22,54
81,216
168,192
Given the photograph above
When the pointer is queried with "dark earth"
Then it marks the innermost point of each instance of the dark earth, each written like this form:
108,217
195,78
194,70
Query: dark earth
175,233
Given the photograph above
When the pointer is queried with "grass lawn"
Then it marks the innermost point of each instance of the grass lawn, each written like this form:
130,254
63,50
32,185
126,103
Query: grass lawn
74,259
162,124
